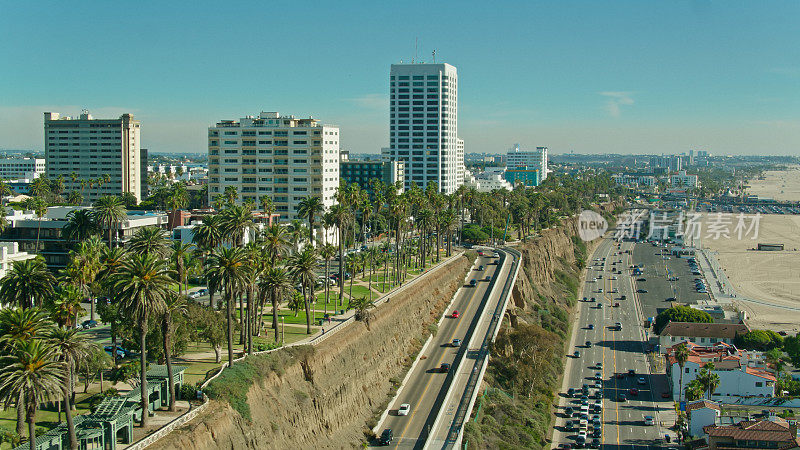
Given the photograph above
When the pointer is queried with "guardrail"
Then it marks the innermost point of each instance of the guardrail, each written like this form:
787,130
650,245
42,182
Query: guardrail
467,400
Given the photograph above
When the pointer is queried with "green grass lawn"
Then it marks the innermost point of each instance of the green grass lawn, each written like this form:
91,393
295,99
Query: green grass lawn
359,291
47,416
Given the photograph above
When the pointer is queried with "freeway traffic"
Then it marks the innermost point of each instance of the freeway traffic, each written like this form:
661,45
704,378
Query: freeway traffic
426,386
613,402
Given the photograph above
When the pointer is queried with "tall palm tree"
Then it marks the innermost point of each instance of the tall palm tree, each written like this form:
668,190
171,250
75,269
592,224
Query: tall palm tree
111,260
27,284
230,266
142,283
108,211
174,305
310,207
39,207
80,225
181,253
342,217
208,236
326,252
83,267
276,242
151,240
236,221
29,376
681,356
301,267
71,348
276,281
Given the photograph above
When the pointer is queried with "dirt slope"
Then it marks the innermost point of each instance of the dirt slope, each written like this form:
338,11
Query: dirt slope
350,375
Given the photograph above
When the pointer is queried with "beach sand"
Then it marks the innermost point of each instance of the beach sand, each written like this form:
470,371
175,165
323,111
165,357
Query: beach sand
768,276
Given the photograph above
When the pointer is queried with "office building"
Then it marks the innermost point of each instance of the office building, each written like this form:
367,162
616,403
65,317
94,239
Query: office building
85,150
25,168
527,167
423,124
361,172
282,157
681,179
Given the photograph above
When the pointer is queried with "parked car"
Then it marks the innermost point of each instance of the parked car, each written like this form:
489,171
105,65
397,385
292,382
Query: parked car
404,409
455,314
641,381
648,420
622,398
576,354
386,437
473,283
445,367
633,391
194,295
121,352
86,324
588,344
641,291
590,326
456,343
480,268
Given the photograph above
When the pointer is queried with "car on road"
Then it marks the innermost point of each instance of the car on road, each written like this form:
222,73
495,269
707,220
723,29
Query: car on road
641,291
620,376
599,365
86,324
641,381
588,344
600,290
455,314
671,299
590,326
613,278
598,376
404,409
631,373
622,398
592,300
576,354
386,437
571,392
623,297
473,283
456,343
633,391
648,420
480,268
618,326
444,368
121,352
616,304
641,279
488,278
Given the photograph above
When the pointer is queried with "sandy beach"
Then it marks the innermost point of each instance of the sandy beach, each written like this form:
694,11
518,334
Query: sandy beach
779,185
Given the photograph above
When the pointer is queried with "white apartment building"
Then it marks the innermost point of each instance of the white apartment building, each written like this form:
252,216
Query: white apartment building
9,252
282,157
26,168
86,149
536,159
681,179
423,124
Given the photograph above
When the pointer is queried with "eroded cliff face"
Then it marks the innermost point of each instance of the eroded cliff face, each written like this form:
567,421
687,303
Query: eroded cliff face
350,380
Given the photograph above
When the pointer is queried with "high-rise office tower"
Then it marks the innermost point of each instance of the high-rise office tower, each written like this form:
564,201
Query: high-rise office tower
423,124
95,157
282,157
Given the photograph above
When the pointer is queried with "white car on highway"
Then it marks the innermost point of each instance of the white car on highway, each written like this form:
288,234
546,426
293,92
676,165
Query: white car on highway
404,409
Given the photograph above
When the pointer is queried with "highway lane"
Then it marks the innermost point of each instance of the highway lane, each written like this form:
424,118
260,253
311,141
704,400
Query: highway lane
426,382
618,350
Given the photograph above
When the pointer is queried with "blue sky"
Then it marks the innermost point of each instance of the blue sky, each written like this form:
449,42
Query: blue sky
588,76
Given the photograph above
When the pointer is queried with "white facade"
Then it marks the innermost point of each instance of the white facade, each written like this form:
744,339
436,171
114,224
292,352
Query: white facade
487,181
537,159
423,124
85,150
284,158
9,252
702,414
681,179
27,168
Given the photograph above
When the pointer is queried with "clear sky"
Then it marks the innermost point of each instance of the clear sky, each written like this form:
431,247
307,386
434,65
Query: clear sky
589,76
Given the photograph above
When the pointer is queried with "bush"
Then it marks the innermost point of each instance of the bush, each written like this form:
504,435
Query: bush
762,340
188,392
681,314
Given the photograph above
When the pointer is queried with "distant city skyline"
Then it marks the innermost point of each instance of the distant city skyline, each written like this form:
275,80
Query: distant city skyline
618,77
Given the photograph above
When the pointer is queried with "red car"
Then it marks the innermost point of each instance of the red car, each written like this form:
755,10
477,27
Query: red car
666,395
633,391
620,376
455,314
616,304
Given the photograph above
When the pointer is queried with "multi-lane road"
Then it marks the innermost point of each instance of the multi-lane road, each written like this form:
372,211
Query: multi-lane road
425,387
617,354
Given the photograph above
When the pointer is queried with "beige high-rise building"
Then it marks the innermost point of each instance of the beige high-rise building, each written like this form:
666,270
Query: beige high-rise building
95,157
281,157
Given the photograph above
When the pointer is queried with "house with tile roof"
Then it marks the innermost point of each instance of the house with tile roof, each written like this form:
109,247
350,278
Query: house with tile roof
702,413
741,374
773,433
700,333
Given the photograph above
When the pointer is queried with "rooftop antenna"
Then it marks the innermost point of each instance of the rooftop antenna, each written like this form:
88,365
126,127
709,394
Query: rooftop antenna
434,56
416,52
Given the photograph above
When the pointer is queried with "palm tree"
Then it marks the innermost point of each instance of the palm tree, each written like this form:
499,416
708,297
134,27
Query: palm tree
71,348
83,267
681,356
174,305
31,375
236,221
27,284
178,197
276,242
208,236
150,240
80,225
362,305
296,302
108,211
310,208
230,266
142,283
111,260
266,205
341,215
180,255
74,198
326,252
301,268
39,207
276,281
